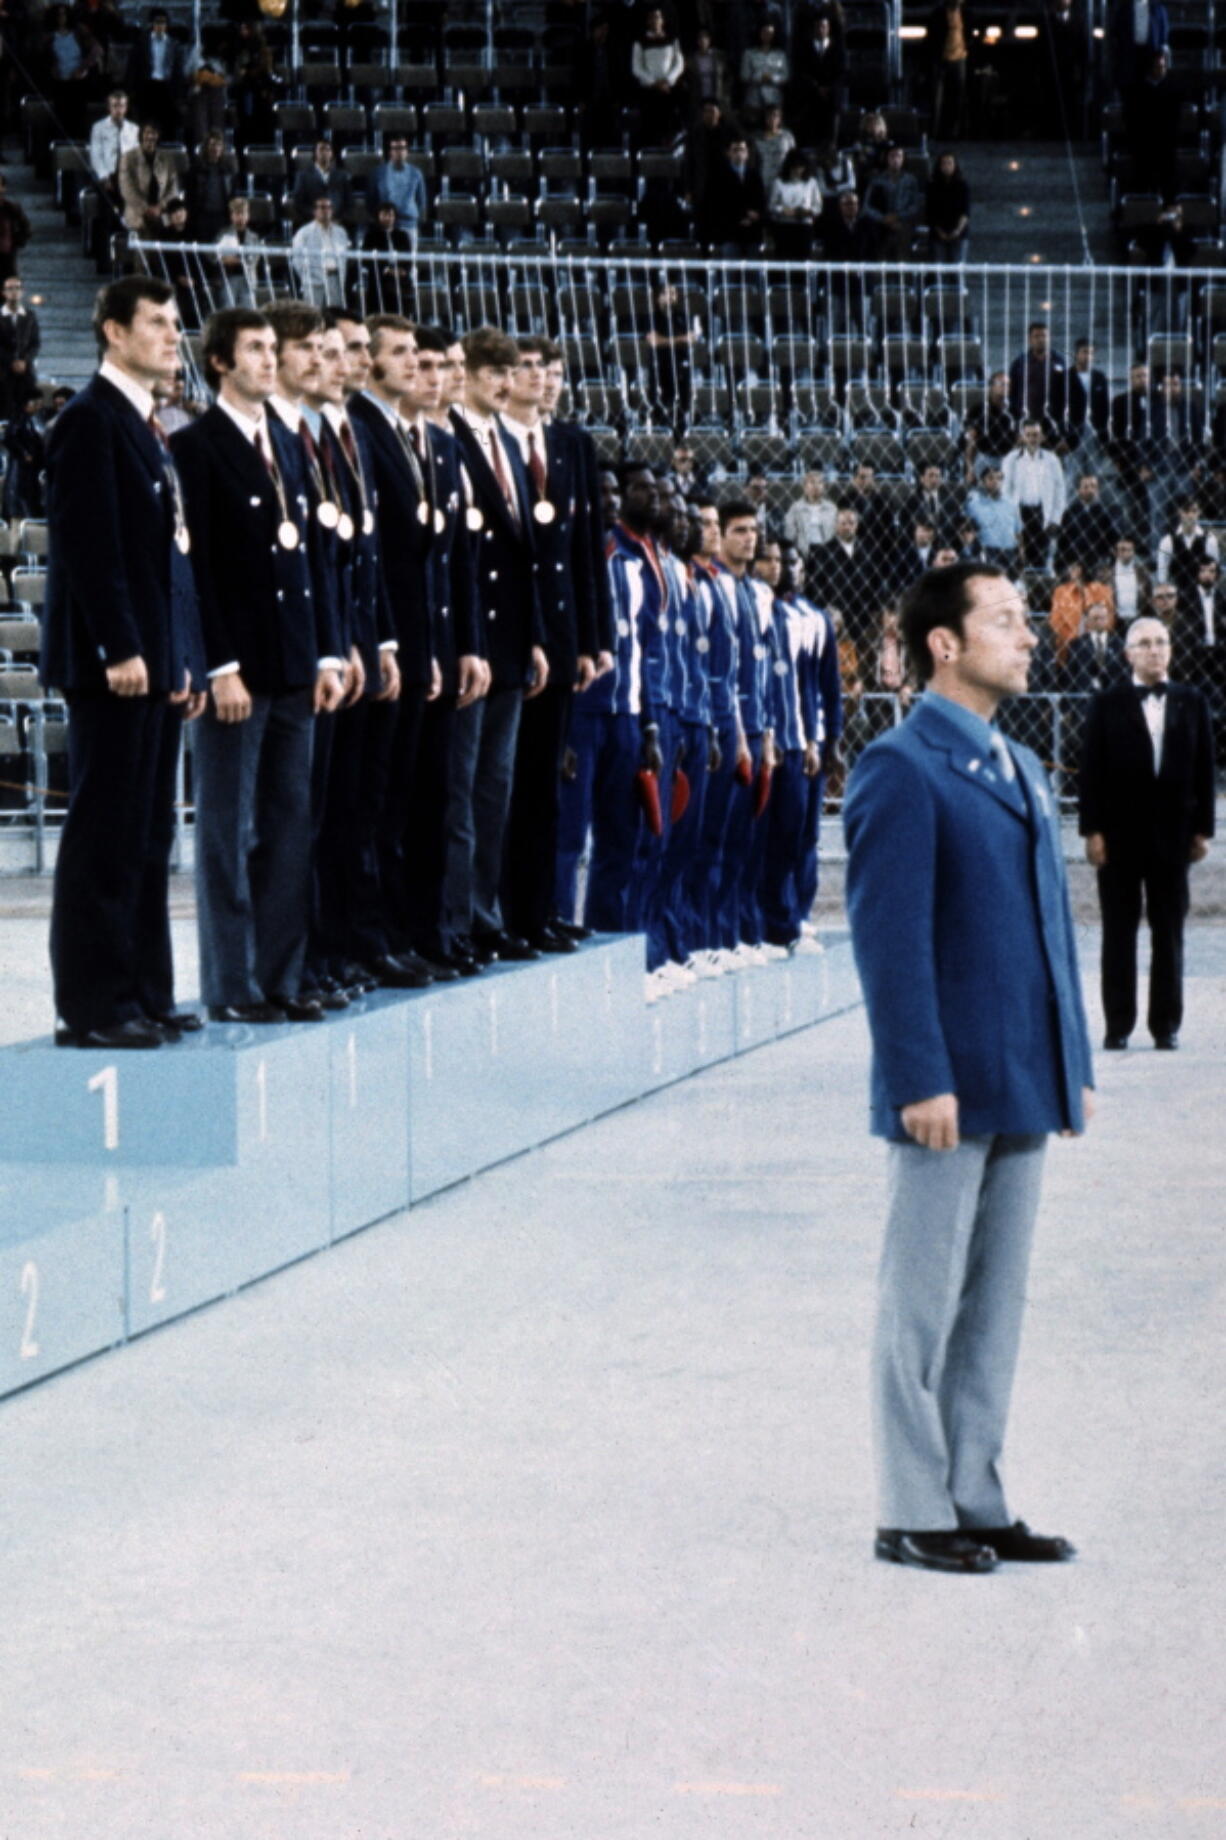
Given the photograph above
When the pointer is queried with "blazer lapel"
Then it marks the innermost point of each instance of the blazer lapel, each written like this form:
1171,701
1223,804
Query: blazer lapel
978,767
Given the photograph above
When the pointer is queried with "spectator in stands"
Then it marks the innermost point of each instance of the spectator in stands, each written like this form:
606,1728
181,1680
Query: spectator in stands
1179,439
26,445
156,75
948,56
1136,32
1039,385
947,211
837,172
178,266
809,519
848,239
671,337
938,504
844,576
657,65
1166,242
876,526
321,257
388,282
1089,402
772,146
795,203
174,411
872,145
990,431
1151,126
207,73
1135,447
708,74
819,82
19,343
735,205
396,181
1182,551
73,64
207,187
1070,602
1163,603
1128,580
256,86
892,206
684,479
322,179
14,231
239,249
765,70
757,494
1087,529
109,140
146,181
1199,639
1095,657
997,520
705,147
1034,480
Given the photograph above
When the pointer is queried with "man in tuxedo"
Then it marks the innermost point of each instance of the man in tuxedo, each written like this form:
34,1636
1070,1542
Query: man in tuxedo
273,665
1146,813
121,640
963,937
500,518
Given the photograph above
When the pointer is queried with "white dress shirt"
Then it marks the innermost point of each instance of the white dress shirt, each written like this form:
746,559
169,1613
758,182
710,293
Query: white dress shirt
1153,708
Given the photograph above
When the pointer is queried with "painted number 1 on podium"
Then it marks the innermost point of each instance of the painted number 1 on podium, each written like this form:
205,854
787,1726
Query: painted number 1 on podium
107,1083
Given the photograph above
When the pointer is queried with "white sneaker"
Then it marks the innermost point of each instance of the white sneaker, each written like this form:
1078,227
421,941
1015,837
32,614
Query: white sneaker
681,975
726,959
770,952
808,929
750,955
705,965
807,946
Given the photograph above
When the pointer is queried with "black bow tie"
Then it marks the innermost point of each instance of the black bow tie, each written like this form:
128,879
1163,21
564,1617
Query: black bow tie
1144,690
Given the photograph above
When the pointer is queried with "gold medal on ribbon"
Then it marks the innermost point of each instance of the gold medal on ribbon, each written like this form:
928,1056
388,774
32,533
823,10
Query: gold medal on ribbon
183,539
440,519
344,527
287,534
328,514
543,511
423,512
473,518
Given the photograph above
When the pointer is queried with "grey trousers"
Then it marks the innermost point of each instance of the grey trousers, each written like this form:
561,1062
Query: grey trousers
952,1289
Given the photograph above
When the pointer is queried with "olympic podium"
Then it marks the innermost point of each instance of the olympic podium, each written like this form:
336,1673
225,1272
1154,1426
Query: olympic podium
135,1188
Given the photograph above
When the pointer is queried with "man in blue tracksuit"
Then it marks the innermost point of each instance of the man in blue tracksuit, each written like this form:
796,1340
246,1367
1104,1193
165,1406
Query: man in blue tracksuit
689,640
736,915
715,589
797,713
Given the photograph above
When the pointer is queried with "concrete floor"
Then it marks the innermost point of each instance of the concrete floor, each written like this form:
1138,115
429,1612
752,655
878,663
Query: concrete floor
544,1512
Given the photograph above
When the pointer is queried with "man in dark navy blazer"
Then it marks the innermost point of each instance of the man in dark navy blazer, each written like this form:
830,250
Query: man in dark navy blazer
1147,791
508,607
272,665
1095,658
121,639
963,939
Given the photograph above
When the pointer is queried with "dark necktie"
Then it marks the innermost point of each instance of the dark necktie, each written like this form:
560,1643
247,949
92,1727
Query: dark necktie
351,447
261,448
158,432
1144,690
501,474
536,463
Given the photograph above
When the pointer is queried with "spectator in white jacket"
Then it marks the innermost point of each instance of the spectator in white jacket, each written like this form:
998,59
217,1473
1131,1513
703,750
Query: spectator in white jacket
657,66
1034,480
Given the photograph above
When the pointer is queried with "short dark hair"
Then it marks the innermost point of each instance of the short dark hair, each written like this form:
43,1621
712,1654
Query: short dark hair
531,345
379,323
732,508
221,331
431,338
486,346
118,301
939,598
292,320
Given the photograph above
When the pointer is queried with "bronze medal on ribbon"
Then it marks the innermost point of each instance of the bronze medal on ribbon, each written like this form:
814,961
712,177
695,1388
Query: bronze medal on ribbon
287,534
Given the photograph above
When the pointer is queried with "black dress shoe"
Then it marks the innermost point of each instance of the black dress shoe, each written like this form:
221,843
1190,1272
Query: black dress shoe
506,946
332,999
549,941
301,1009
179,1022
1168,1043
951,1551
1017,1542
1115,1043
570,929
249,1013
482,949
134,1034
400,973
454,964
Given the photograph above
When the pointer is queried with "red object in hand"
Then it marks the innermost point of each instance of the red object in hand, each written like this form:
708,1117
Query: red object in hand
647,785
762,790
681,794
743,770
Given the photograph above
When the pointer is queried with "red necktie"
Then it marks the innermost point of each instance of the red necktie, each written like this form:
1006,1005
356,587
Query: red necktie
308,442
350,446
158,432
536,464
265,456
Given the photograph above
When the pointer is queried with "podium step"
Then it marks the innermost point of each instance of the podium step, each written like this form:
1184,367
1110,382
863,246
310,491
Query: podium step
135,1188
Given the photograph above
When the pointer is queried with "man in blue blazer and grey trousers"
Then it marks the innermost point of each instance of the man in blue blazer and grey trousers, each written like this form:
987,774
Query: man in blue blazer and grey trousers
964,942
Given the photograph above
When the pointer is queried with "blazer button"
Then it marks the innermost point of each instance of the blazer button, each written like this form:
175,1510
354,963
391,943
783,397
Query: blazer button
280,594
